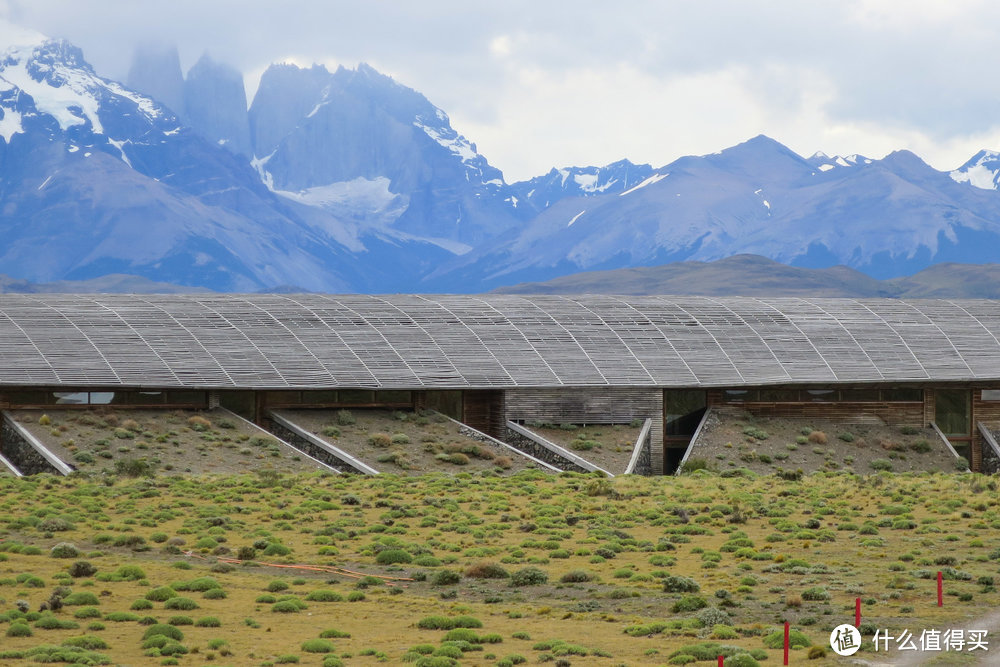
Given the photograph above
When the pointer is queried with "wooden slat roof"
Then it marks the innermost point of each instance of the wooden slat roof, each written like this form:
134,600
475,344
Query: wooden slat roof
408,341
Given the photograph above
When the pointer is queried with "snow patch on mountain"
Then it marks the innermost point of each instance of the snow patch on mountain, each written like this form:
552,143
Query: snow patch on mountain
575,218
10,124
655,178
450,139
71,102
982,171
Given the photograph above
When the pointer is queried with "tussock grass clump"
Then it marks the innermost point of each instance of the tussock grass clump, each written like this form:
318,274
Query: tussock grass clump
393,556
180,604
81,598
161,594
197,423
318,646
817,437
529,576
448,623
486,571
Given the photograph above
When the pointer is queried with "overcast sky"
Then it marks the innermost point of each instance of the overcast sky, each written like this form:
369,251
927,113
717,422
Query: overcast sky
541,84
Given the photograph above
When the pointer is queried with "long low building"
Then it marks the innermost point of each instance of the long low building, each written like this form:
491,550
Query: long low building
487,359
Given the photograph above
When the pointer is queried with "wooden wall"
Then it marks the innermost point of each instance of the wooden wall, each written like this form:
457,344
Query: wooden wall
982,411
593,405
484,410
894,414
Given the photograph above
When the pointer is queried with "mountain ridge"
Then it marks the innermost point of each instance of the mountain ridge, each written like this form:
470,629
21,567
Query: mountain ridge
351,181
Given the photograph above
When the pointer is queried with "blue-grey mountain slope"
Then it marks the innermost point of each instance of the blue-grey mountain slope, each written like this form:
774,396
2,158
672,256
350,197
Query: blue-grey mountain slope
215,105
540,192
886,217
358,144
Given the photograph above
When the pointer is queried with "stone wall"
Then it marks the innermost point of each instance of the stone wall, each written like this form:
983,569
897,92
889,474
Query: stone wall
19,452
990,462
532,448
310,448
644,462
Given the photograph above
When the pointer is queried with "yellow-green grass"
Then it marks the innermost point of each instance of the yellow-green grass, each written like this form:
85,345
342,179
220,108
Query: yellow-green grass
761,549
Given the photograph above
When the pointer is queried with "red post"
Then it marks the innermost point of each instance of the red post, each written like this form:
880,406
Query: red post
857,612
786,643
721,661
940,591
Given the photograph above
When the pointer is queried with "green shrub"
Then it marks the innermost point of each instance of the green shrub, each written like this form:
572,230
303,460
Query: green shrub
89,642
82,568
141,605
815,594
161,594
64,550
286,607
461,635
277,586
679,584
121,617
486,571
776,639
445,578
345,418
180,604
275,549
87,612
19,629
208,622
689,603
576,576
881,464
323,595
318,646
201,584
393,556
50,622
82,598
529,576
333,633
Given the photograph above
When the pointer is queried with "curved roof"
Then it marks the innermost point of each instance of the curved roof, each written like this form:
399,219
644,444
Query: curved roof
306,341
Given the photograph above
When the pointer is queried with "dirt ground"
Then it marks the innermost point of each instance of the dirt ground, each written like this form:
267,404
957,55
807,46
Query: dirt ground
733,438
406,443
171,442
608,446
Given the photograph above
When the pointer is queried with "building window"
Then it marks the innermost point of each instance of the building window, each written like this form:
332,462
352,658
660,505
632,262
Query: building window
991,395
902,395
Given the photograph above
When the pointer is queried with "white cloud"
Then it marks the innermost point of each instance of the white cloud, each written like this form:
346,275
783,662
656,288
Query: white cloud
536,85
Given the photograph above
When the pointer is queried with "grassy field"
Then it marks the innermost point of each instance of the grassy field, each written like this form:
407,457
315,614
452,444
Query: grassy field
479,569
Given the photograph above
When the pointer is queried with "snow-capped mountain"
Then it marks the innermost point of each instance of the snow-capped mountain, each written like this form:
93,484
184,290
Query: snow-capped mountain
886,217
981,171
362,146
540,192
350,181
96,178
